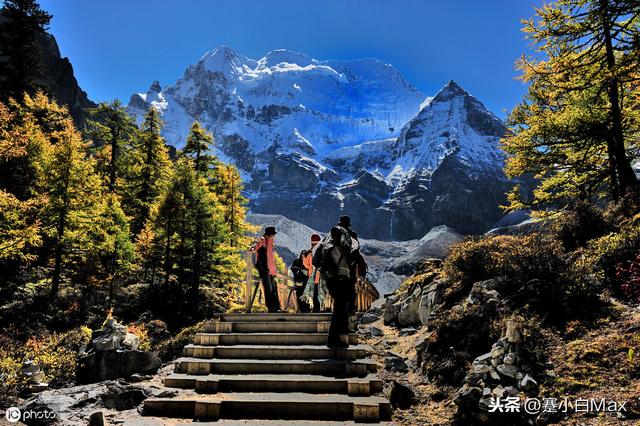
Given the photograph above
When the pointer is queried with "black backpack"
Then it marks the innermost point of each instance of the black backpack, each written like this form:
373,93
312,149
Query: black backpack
299,271
332,257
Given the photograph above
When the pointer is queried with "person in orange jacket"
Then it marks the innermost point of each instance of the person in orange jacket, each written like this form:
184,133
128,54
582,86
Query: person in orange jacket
266,266
307,262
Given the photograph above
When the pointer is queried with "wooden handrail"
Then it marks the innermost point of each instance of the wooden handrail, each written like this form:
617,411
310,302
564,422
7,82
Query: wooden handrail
366,293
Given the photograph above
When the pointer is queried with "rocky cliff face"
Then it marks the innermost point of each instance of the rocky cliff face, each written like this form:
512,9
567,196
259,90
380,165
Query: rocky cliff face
59,80
56,75
316,139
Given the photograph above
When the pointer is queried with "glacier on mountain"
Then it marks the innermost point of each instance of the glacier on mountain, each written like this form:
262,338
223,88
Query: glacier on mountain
317,138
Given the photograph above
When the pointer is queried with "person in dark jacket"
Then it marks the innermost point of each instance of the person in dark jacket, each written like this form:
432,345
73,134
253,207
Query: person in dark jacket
331,258
357,264
266,266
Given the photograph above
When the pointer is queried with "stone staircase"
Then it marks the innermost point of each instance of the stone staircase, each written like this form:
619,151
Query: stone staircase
272,368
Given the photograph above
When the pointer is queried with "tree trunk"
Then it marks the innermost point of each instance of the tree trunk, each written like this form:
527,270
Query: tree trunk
167,253
197,261
614,186
626,175
115,152
57,268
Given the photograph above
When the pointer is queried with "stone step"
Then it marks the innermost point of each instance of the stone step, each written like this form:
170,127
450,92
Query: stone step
325,367
228,422
266,327
282,339
285,316
277,352
162,421
289,406
308,383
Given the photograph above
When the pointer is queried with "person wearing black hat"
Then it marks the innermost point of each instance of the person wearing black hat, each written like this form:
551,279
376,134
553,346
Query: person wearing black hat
266,266
357,265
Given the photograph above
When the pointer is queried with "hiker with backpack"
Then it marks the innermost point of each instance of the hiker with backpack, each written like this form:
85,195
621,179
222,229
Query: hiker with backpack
303,271
358,266
266,266
334,259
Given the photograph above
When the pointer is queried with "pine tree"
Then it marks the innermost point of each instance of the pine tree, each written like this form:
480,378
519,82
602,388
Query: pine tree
150,170
21,144
227,185
113,243
198,145
574,131
75,202
199,142
21,22
113,129
187,224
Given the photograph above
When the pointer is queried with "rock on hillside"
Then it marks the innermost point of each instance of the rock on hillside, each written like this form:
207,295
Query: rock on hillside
435,244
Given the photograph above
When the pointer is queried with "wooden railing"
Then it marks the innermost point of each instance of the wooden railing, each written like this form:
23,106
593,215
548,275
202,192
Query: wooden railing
366,292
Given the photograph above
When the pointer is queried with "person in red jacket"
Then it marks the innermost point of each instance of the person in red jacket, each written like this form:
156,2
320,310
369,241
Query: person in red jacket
266,266
307,261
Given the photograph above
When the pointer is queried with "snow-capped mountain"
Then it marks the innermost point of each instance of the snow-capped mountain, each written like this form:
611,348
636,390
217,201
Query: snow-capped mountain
316,139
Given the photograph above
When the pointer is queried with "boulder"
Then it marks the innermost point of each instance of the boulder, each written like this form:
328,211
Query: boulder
131,341
513,334
391,310
395,362
481,368
497,352
114,336
106,365
484,292
528,384
409,331
467,397
123,397
401,396
510,358
507,370
97,419
432,298
376,331
168,393
34,377
408,314
368,318
483,358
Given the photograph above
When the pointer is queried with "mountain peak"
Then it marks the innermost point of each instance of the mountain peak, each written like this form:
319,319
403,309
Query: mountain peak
450,91
224,59
278,56
155,87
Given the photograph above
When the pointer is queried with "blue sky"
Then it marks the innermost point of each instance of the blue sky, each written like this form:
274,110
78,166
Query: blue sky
118,47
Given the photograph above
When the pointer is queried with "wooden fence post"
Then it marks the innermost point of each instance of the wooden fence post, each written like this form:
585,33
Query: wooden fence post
249,282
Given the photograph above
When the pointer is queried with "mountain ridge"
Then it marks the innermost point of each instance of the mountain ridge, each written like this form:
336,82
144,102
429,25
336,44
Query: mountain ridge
317,138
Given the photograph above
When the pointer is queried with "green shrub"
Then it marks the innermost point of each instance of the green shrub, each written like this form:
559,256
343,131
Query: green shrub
157,331
172,348
516,258
55,354
578,225
605,254
532,269
140,330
